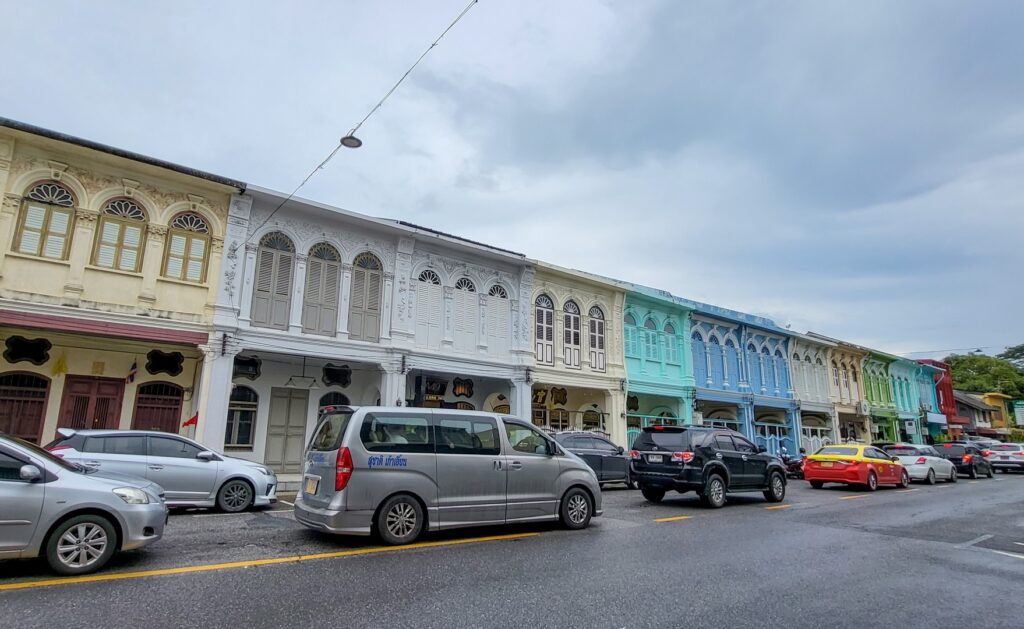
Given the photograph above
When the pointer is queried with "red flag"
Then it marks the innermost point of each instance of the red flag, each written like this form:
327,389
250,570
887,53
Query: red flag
192,421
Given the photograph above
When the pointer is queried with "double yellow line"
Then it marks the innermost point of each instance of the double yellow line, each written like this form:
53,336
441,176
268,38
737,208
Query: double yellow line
120,576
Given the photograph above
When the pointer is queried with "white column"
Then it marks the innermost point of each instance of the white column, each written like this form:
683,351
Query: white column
233,266
481,339
615,406
522,395
345,299
385,308
245,307
298,294
449,317
392,387
215,395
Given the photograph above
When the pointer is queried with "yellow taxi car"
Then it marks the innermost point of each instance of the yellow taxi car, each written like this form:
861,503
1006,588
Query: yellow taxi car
854,464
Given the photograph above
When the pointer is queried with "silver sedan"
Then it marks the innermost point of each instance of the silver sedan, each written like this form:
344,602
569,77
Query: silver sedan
191,475
923,462
76,518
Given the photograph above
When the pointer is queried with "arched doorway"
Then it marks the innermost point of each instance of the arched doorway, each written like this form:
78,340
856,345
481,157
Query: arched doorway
23,405
334,398
158,407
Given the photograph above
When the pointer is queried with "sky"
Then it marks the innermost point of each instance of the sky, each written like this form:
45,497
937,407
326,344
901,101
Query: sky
855,169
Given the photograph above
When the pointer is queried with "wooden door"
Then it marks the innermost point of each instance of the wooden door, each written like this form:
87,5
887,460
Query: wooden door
158,407
91,403
23,399
286,429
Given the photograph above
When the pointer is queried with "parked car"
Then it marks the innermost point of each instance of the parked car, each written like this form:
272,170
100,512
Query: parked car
923,463
400,471
982,442
609,461
850,464
710,461
191,475
75,517
1006,457
969,459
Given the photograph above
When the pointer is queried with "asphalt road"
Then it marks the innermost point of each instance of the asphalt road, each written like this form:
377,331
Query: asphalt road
948,555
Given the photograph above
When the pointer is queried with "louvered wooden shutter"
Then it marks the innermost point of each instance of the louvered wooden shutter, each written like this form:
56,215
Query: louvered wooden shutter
261,294
372,320
329,301
313,298
357,308
282,289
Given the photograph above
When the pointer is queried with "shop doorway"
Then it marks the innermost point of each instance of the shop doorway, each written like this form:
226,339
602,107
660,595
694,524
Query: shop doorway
286,429
91,403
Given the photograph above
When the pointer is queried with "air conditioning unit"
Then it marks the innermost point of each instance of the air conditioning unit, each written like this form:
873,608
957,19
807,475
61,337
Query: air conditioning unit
864,408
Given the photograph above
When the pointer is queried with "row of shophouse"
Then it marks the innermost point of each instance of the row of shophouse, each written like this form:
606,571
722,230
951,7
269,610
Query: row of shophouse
136,293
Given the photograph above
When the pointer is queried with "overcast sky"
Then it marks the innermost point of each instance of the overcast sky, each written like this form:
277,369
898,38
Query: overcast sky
852,168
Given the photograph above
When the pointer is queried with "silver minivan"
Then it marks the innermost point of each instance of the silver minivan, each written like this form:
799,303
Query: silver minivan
398,471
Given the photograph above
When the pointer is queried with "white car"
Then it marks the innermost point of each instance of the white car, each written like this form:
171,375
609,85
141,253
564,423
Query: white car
923,462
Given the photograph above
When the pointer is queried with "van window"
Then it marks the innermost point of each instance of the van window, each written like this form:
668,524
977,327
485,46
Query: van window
526,439
330,431
396,433
468,435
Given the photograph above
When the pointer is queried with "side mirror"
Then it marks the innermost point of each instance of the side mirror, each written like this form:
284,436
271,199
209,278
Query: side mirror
206,455
30,473
761,449
621,450
894,459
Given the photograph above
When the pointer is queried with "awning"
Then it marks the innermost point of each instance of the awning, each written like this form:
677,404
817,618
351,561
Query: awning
937,418
957,419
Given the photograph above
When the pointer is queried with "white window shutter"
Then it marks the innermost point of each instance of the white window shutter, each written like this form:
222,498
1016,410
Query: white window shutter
329,298
357,308
313,299
261,295
282,289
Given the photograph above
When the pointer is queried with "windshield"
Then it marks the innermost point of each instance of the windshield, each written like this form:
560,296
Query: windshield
668,440
46,456
330,431
901,451
838,451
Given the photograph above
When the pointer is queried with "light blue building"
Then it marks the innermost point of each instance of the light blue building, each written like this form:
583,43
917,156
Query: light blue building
903,375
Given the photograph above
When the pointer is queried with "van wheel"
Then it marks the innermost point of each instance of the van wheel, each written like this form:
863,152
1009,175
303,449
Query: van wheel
576,509
235,496
714,492
652,494
400,520
776,491
81,545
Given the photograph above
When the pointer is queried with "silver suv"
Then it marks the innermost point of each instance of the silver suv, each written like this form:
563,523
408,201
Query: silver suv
76,517
399,471
192,475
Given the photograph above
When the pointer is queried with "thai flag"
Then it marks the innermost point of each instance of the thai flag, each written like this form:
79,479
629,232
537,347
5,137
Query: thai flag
131,372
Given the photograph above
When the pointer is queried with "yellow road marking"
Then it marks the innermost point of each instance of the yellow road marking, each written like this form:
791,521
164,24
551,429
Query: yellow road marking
853,497
773,507
119,576
675,518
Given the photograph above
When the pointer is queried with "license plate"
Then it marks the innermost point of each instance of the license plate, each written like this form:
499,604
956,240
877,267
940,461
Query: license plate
312,484
826,463
1005,458
654,458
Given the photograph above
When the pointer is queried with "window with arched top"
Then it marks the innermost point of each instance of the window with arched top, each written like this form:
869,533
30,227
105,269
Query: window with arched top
272,290
630,339
120,236
467,315
158,407
429,309
651,349
187,248
499,319
430,277
334,398
571,334
365,297
544,319
671,344
498,291
595,328
240,431
320,305
45,223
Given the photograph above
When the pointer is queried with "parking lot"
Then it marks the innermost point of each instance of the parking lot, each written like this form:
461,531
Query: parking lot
952,549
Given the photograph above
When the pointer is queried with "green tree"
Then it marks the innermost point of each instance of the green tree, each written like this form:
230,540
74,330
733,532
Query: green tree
984,374
1015,355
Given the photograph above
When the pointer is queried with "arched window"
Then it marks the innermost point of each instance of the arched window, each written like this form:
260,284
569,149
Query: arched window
120,236
700,358
240,431
22,405
467,315
47,216
846,381
651,340
781,375
271,295
855,387
187,249
429,309
835,376
544,318
596,328
364,303
671,344
629,336
333,398
158,407
571,334
499,319
323,286
732,361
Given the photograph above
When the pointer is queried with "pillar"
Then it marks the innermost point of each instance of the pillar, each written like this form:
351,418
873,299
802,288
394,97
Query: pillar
152,260
215,392
392,387
522,396
793,419
245,305
615,406
298,294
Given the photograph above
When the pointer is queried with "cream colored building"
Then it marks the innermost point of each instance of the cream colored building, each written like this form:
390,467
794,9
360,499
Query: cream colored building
108,267
579,380
845,385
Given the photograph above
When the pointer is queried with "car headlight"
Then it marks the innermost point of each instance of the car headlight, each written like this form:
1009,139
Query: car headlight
265,471
132,496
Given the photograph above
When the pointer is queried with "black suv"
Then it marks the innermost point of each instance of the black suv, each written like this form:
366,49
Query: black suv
967,457
710,461
609,461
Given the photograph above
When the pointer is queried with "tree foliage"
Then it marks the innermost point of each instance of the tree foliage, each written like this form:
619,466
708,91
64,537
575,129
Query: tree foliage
985,374
1015,355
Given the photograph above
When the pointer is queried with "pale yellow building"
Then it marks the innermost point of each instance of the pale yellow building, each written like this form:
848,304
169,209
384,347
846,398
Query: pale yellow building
108,270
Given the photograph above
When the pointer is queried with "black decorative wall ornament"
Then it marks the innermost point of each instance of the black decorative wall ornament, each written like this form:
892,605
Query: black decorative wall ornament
632,403
170,363
247,367
340,375
462,387
434,386
19,349
559,396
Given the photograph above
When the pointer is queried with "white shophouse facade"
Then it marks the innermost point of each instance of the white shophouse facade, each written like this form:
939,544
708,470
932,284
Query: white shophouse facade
809,376
322,306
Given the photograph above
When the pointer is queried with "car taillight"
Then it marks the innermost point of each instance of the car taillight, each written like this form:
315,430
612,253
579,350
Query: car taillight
685,457
986,453
947,445
850,463
55,450
1019,452
634,454
343,469
968,457
921,460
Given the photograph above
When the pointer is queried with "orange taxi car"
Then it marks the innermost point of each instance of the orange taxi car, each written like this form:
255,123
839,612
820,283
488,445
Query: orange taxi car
854,464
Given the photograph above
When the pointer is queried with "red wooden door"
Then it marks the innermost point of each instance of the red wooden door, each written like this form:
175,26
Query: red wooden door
23,400
91,403
158,407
